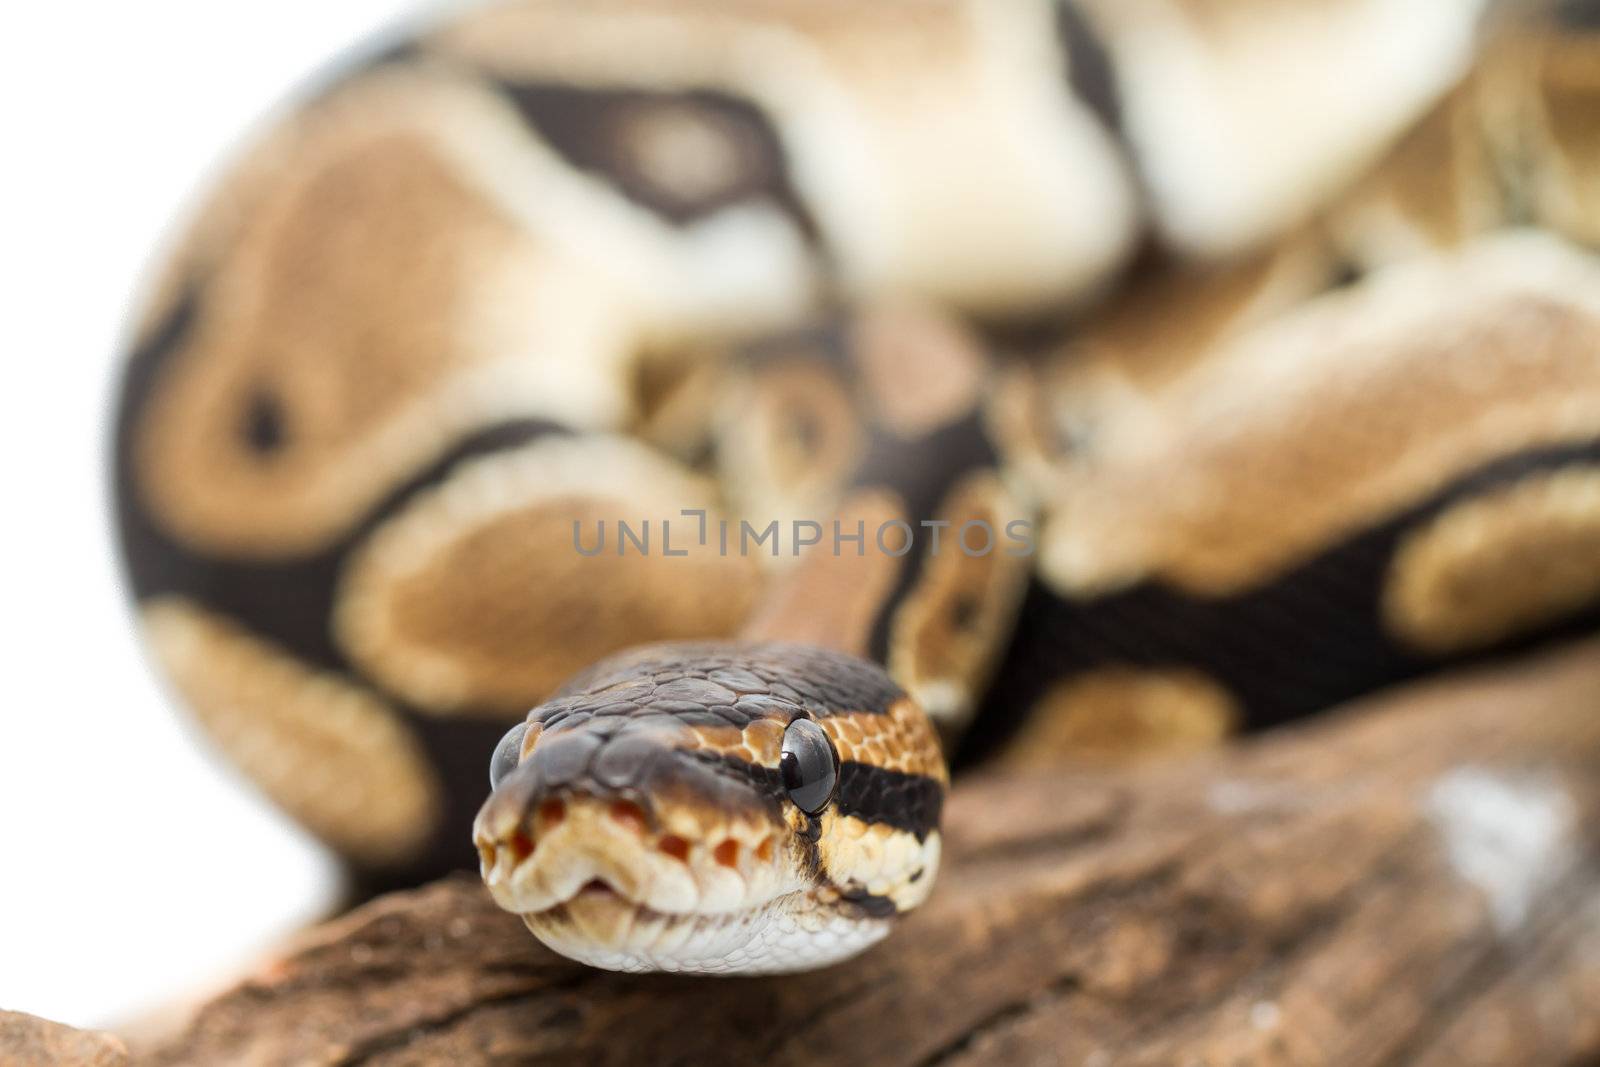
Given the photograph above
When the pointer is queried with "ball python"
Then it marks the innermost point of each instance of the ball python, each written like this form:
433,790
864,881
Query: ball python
1245,356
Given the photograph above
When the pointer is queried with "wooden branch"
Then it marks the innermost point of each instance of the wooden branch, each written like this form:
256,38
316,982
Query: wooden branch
1416,880
29,1041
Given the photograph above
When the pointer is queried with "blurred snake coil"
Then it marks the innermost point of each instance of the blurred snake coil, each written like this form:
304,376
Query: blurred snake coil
1244,355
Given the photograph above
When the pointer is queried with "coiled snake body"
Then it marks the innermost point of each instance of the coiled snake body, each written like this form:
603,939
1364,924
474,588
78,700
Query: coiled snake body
1233,391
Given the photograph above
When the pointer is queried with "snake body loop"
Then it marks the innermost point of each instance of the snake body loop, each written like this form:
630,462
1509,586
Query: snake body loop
1257,345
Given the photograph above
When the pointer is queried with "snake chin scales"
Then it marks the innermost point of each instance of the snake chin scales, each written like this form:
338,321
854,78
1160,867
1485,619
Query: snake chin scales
715,809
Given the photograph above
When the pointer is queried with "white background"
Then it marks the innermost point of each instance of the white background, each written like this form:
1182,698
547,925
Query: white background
134,868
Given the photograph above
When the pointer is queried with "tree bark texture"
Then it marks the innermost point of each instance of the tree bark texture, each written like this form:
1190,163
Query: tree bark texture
1414,880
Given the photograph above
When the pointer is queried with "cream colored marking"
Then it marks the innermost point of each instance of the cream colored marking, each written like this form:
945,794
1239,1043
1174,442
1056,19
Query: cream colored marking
589,841
337,758
1244,115
939,155
1497,564
688,154
879,858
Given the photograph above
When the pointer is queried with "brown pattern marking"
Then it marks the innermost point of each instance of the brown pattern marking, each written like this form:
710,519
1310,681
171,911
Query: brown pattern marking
474,600
1374,395
760,744
834,600
1123,713
1150,334
353,326
1144,339
341,309
790,436
1497,564
334,756
902,739
954,623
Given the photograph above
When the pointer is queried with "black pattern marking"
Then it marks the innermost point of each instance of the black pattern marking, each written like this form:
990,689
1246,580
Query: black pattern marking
1581,15
869,904
1301,643
263,426
1089,70
909,802
288,603
922,472
589,127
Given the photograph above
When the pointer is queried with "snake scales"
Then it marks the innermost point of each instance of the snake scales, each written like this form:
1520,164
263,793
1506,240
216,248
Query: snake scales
1256,345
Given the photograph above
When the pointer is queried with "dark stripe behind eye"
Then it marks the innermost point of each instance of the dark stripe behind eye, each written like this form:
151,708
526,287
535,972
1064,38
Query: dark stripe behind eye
764,779
909,802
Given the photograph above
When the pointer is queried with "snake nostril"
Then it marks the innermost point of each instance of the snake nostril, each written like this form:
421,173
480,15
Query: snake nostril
629,814
727,853
676,847
551,812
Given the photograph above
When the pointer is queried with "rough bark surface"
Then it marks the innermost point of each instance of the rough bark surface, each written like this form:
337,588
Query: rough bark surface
29,1041
1412,881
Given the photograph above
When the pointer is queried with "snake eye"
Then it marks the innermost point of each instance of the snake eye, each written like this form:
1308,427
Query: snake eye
507,754
808,766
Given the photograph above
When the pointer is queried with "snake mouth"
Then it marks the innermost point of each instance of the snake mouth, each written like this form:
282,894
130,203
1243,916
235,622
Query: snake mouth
599,899
601,926
692,890
599,903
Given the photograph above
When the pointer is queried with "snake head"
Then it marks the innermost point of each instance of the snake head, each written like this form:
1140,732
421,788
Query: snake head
715,808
